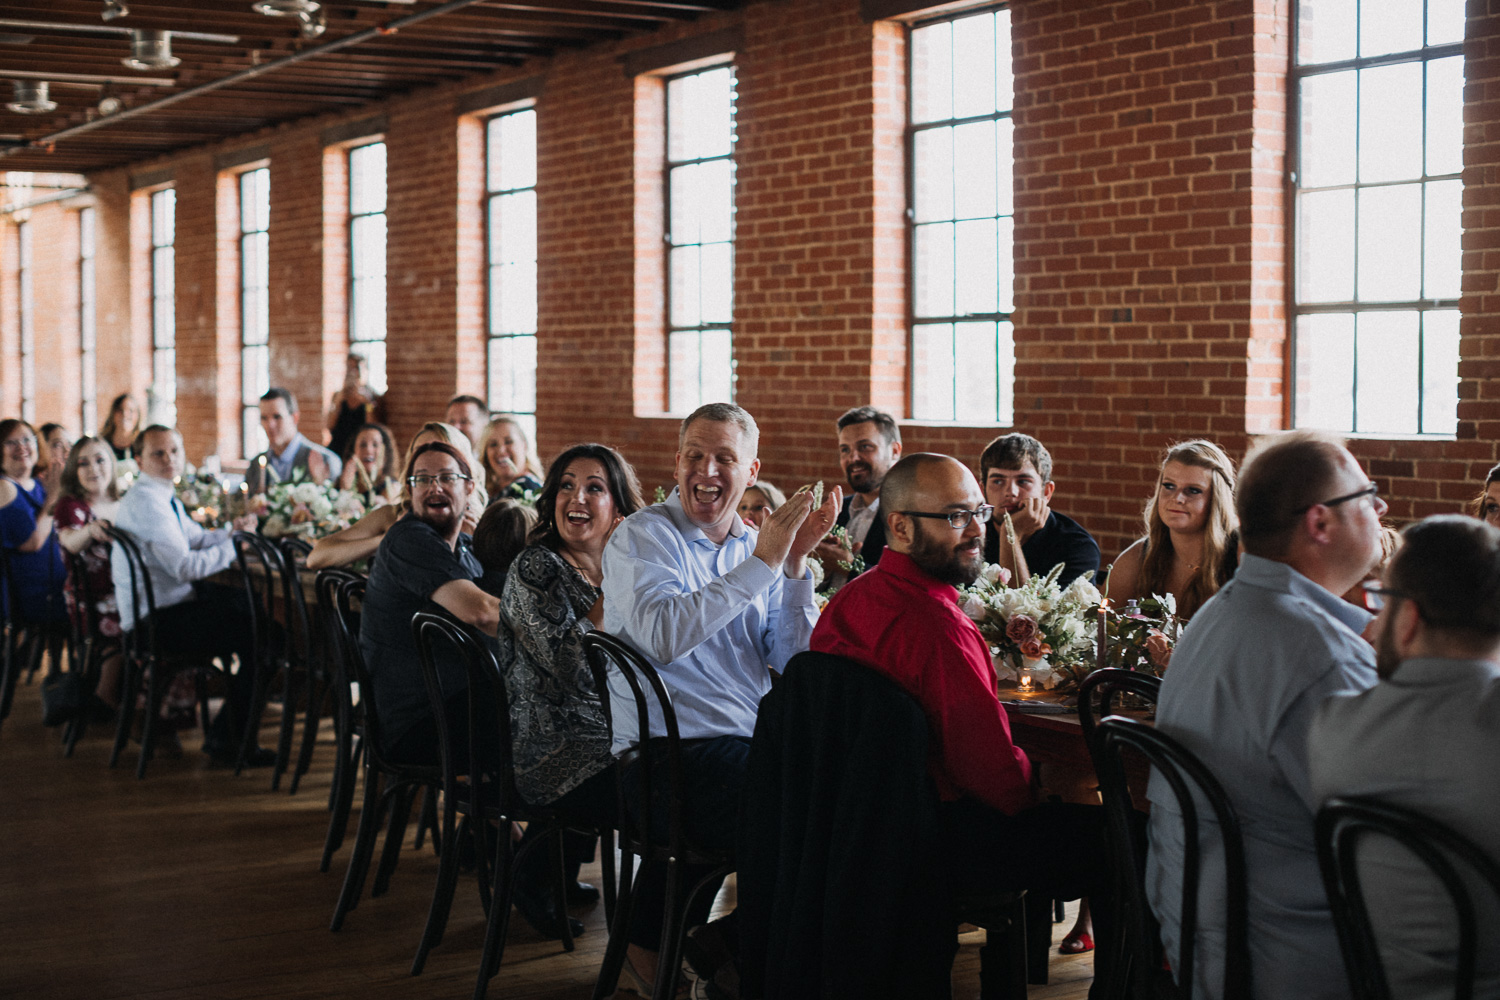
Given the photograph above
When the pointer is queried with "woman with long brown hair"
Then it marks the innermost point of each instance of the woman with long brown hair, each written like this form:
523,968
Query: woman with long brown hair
122,425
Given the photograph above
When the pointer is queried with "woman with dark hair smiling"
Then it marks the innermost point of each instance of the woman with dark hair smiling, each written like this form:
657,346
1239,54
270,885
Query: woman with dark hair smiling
370,462
121,426
552,596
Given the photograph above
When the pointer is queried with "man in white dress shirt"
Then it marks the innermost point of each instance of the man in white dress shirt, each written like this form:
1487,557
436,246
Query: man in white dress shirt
1251,670
711,603
1426,737
192,619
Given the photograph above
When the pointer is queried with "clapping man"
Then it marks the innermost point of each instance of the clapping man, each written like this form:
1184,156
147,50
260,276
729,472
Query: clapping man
869,444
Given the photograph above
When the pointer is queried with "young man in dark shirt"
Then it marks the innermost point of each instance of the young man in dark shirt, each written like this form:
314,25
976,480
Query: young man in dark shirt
1016,473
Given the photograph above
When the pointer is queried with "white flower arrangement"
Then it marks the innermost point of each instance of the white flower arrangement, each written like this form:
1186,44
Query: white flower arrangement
306,509
1038,627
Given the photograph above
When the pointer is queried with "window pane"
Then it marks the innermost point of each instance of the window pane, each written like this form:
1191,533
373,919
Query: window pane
1005,167
686,284
1325,371
976,394
1445,115
700,115
368,304
253,436
716,357
683,384
1390,243
974,55
1325,247
1440,372
513,374
1390,117
933,174
975,162
1387,26
373,351
716,286
516,298
1325,31
934,270
976,254
517,236
932,371
255,374
932,72
1004,84
164,374
1445,21
512,151
255,200
163,217
367,239
1328,129
1386,393
367,179
1442,245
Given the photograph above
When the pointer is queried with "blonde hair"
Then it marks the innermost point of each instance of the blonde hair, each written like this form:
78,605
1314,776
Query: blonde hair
1219,529
451,435
531,465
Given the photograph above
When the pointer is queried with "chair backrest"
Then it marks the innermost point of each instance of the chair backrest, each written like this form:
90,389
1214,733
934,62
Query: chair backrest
1343,826
349,591
646,687
260,569
138,641
85,618
1191,783
300,636
431,631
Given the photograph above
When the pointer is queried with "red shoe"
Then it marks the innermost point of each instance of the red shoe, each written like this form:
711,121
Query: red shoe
1076,943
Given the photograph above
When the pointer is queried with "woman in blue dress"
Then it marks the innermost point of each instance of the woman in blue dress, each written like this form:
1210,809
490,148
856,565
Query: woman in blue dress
36,570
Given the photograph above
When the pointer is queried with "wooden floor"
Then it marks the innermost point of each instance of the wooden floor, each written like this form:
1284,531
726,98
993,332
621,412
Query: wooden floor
196,884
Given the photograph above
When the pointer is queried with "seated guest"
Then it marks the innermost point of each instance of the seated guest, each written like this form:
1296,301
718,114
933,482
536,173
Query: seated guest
560,740
510,467
121,426
59,443
1246,680
289,450
710,603
903,620
370,463
1486,506
354,406
424,557
469,414
1436,705
499,538
1016,471
1191,545
360,540
869,444
758,502
193,618
37,572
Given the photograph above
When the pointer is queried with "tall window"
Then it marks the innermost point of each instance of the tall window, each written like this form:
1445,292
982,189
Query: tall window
1379,94
255,304
28,324
163,401
87,360
962,225
700,238
367,258
510,155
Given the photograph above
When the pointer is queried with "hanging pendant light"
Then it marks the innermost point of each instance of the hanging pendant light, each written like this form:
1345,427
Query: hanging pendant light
29,97
150,49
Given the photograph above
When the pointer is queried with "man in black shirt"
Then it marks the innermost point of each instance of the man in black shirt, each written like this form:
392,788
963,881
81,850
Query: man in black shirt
1016,472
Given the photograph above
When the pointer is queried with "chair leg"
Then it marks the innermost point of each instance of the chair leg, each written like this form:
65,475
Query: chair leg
364,846
669,958
259,691
130,683
619,934
1038,939
317,694
428,821
502,889
442,892
1002,960
346,775
560,897
607,869
156,688
391,852
85,663
289,687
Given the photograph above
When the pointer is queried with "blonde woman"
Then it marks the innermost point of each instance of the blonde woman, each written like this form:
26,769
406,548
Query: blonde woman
511,467
361,539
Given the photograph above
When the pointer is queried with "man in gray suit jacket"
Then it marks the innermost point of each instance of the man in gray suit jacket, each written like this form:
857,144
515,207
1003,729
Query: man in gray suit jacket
289,451
1426,737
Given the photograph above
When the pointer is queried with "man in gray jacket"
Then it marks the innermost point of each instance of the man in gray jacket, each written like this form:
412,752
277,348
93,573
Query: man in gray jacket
289,451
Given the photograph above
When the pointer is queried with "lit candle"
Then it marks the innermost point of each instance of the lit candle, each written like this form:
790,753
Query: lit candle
244,498
1026,682
1103,640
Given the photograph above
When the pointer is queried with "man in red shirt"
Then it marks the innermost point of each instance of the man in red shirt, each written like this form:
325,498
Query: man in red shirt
902,619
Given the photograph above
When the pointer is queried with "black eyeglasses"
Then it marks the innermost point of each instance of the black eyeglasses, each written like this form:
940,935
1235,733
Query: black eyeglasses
1370,490
444,478
957,518
1376,595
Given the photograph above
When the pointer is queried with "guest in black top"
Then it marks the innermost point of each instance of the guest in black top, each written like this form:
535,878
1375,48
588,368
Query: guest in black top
354,406
423,557
1016,472
499,538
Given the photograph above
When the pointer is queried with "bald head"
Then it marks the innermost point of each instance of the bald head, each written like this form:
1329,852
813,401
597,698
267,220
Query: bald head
930,487
912,480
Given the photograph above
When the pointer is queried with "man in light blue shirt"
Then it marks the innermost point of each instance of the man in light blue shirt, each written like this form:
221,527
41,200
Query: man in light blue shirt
290,451
1245,683
711,603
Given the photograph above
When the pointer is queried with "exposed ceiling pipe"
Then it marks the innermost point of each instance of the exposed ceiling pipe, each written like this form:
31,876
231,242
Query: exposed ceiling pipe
105,29
44,199
251,73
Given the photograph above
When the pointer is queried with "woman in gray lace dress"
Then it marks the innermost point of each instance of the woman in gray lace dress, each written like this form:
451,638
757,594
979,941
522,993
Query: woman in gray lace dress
552,596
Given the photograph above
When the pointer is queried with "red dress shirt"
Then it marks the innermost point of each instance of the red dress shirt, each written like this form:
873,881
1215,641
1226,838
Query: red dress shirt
898,620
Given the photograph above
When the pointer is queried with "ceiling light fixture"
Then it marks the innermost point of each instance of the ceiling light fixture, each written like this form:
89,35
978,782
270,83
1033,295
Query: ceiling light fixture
113,9
150,49
309,12
109,103
29,97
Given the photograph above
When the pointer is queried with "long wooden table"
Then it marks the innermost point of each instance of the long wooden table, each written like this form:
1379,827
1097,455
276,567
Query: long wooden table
1057,750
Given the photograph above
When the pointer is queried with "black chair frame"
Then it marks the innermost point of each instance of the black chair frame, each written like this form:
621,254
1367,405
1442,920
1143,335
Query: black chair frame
337,615
1342,825
260,566
604,649
303,666
22,643
89,646
1138,941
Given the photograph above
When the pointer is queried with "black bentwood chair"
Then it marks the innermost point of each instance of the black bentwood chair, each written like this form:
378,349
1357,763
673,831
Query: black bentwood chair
88,647
303,665
1138,941
646,840
486,797
340,622
389,786
260,569
1343,827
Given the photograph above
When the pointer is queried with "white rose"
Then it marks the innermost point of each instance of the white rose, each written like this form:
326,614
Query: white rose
307,492
320,507
975,607
816,568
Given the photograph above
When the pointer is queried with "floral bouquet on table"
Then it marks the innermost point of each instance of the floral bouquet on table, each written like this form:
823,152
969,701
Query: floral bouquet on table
1040,628
1142,633
125,472
202,496
302,508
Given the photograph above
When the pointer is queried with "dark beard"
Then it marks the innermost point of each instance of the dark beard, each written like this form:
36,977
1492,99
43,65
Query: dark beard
868,482
940,560
442,524
1386,657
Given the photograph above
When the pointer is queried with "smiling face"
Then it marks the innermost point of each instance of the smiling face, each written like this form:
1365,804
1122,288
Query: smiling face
440,504
953,555
279,423
505,453
20,452
369,448
96,468
60,444
1009,489
161,455
585,509
754,506
866,456
715,463
1182,498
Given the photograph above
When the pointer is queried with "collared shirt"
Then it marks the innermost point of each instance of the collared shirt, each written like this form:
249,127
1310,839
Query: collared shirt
293,456
709,617
1428,739
861,516
898,620
176,549
1249,674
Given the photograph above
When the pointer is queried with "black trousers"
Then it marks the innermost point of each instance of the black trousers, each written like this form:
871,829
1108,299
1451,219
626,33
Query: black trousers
215,623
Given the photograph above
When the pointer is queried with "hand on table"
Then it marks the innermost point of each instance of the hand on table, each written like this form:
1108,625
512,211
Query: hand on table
245,522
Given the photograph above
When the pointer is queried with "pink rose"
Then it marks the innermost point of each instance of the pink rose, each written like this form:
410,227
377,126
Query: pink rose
1021,629
1034,648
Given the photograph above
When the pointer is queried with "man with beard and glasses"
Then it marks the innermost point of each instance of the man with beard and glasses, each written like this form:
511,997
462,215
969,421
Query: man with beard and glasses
1249,674
902,619
424,557
869,444
1418,738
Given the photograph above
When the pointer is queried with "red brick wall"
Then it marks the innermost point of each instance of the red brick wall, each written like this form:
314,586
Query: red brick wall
1150,248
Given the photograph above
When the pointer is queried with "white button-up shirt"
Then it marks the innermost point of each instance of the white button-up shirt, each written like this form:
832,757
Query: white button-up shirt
176,548
709,617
